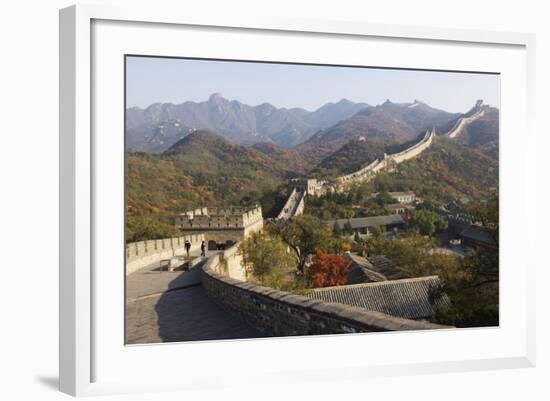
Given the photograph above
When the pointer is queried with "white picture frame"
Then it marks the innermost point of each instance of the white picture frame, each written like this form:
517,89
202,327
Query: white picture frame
81,343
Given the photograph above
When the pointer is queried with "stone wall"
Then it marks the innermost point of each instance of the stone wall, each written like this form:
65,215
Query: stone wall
219,218
462,122
145,253
414,150
369,171
280,313
294,205
363,173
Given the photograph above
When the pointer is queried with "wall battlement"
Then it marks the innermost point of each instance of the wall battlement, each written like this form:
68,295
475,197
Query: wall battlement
294,205
368,172
279,313
462,122
215,218
145,253
309,186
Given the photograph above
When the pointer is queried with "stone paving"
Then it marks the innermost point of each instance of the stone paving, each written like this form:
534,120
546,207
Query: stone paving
173,306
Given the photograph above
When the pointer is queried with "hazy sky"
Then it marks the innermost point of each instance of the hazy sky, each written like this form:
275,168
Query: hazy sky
151,80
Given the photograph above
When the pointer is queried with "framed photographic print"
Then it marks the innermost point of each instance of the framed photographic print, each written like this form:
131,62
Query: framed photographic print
250,192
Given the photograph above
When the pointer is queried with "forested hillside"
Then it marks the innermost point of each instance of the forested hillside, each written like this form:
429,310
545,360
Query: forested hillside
201,169
204,168
447,170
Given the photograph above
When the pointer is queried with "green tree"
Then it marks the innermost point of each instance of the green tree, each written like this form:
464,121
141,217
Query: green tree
470,282
348,229
384,198
409,253
428,222
377,232
264,254
475,295
304,235
474,292
336,230
142,228
486,214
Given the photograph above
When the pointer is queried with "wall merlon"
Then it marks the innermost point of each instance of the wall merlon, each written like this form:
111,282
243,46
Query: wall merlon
145,253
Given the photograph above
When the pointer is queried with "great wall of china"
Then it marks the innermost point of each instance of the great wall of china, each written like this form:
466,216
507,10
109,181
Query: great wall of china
223,278
301,187
294,204
279,313
220,280
366,173
145,253
462,122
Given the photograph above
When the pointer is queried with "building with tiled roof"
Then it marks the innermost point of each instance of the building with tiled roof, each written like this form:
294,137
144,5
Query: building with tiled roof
399,208
403,197
407,298
477,237
361,271
381,264
362,225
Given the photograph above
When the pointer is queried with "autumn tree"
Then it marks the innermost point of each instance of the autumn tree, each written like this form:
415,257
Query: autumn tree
328,270
345,247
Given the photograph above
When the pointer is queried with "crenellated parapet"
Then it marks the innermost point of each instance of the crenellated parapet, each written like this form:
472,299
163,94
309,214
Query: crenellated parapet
463,122
415,149
278,313
300,187
368,172
310,186
221,225
209,218
144,253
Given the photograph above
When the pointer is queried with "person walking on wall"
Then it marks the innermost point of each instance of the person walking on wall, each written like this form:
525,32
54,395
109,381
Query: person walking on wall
203,249
187,247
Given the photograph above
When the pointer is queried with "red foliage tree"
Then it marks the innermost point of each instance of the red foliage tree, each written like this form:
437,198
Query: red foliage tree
328,270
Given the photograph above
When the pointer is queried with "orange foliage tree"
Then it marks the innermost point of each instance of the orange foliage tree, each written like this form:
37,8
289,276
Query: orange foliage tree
328,270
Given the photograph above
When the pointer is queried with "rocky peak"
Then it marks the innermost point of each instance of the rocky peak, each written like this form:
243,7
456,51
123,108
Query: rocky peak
216,98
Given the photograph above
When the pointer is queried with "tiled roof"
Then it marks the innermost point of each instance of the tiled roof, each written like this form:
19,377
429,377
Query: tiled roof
406,298
385,266
361,271
362,222
478,234
408,193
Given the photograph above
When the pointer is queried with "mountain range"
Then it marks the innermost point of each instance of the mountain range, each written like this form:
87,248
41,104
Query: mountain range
317,134
155,128
389,124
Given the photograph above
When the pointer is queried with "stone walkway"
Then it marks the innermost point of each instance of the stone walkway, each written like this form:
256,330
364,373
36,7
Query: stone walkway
173,306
